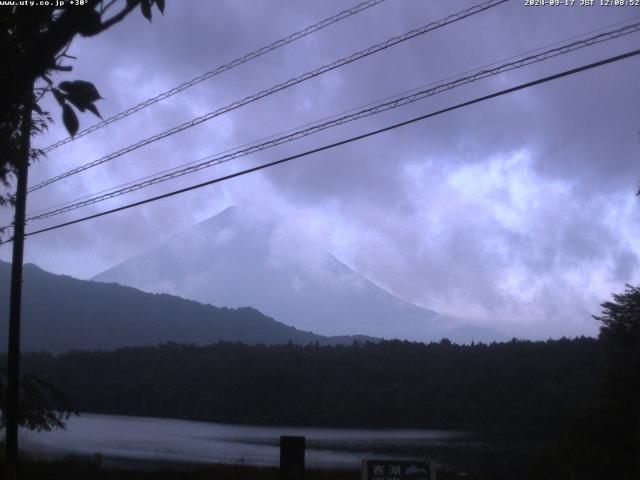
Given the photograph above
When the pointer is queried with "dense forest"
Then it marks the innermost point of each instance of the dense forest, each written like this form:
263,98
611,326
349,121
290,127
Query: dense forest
519,384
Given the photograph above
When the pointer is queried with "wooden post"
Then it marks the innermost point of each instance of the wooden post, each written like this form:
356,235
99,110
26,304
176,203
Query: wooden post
15,303
292,458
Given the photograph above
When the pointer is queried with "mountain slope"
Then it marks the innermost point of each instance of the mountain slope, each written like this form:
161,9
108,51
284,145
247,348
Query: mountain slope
61,313
233,260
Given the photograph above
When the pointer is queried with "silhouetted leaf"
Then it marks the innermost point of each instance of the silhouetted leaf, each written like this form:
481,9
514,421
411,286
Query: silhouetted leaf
82,95
80,105
36,107
145,6
89,23
160,4
70,119
81,89
93,109
59,96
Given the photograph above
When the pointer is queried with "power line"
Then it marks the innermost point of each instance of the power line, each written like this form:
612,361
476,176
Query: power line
218,70
334,116
522,86
281,86
294,81
376,109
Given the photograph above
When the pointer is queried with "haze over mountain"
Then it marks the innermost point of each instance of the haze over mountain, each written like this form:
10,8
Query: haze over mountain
234,260
61,313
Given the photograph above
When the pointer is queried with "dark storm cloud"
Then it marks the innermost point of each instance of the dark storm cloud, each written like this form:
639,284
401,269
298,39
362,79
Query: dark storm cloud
515,210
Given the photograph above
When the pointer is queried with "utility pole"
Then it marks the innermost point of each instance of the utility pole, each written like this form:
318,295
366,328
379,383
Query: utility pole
15,303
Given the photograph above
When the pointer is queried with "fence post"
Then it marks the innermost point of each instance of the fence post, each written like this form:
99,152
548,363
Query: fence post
292,458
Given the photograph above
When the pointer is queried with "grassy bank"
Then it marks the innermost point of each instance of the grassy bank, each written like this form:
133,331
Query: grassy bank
77,469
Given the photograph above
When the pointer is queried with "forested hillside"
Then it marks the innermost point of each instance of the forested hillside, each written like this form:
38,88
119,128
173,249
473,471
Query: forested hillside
62,313
519,384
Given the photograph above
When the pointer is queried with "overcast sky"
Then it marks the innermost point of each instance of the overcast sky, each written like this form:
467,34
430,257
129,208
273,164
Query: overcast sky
517,212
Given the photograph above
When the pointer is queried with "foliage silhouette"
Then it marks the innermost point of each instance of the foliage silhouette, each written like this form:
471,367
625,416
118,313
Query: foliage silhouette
620,338
34,41
42,406
604,442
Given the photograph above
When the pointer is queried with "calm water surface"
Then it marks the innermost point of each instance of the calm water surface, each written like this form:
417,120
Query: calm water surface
124,439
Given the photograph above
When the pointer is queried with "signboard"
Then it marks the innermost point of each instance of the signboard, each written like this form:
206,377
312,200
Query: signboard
396,470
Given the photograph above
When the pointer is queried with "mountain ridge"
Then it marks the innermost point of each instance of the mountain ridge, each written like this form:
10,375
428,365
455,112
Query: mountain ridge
62,313
233,260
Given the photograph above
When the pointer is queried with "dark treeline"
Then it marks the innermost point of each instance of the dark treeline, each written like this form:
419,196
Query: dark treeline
514,385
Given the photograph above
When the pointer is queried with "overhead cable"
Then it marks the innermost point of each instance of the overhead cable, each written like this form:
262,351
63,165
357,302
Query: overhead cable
373,110
218,70
522,86
281,86
334,116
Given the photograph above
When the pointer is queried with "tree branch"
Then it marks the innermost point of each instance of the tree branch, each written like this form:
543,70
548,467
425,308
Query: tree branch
106,7
62,31
118,17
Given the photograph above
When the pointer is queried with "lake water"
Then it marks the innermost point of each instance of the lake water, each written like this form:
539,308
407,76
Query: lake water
125,439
